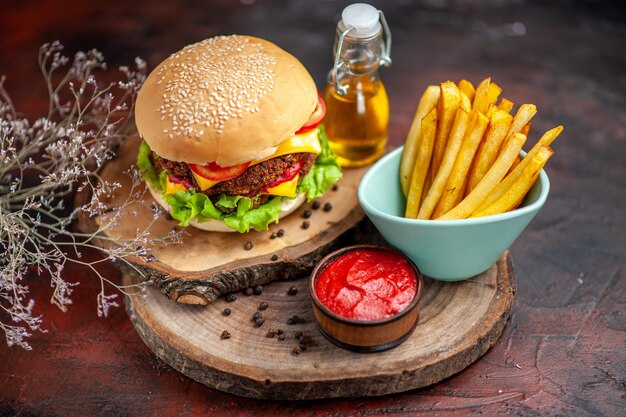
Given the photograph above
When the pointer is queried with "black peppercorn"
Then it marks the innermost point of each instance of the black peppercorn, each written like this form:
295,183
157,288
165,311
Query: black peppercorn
231,297
306,224
281,337
256,316
316,205
249,291
270,333
274,257
279,332
293,319
258,290
259,322
335,187
280,233
225,334
302,346
248,245
226,312
292,290
273,235
298,335
297,350
263,305
306,214
328,207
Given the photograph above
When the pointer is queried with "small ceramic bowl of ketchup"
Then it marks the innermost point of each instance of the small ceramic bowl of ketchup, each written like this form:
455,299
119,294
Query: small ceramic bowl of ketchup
366,298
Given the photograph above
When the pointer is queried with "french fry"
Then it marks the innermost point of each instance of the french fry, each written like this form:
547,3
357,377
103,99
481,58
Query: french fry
507,182
467,88
488,150
481,98
506,105
455,185
521,119
516,162
422,162
489,181
446,110
454,144
426,186
525,130
492,96
492,108
515,194
427,183
465,103
493,93
426,104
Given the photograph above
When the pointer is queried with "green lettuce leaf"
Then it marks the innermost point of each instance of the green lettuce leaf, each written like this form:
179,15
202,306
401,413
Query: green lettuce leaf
243,204
146,169
323,174
187,205
258,218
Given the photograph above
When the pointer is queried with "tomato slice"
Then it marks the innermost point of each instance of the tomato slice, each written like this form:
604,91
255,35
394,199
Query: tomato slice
288,174
214,172
316,117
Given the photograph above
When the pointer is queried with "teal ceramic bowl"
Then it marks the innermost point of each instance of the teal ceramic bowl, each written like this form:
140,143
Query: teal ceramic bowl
447,250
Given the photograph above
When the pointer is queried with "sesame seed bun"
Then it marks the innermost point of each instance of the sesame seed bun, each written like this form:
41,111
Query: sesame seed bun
228,99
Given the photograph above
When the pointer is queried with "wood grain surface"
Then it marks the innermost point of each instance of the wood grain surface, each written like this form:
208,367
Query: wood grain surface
458,322
563,351
208,264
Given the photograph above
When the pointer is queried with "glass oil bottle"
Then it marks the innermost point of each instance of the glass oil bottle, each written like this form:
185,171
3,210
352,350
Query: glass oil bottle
357,107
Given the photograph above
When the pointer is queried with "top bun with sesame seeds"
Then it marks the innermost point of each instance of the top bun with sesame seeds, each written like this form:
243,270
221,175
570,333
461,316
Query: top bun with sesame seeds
228,100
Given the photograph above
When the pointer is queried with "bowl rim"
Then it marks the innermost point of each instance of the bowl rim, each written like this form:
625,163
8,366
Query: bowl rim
324,262
535,206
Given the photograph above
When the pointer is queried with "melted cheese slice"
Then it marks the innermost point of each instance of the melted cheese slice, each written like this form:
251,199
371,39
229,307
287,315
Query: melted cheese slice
306,142
204,183
173,188
285,189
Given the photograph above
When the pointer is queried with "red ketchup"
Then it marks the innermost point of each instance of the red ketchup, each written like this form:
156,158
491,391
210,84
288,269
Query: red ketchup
367,284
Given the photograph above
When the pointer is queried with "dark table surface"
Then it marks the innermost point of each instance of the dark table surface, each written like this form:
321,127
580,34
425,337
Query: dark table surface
564,350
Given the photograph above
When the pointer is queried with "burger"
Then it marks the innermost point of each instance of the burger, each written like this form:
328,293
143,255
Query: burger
231,134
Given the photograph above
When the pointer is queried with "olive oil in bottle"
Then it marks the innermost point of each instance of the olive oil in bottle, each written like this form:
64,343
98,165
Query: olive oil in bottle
357,107
357,122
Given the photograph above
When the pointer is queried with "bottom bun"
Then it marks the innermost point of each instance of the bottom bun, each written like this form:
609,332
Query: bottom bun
288,207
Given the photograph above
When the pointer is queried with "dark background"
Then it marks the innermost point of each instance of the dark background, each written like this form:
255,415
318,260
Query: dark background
563,351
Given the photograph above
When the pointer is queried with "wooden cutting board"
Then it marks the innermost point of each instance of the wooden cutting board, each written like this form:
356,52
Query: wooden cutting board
459,322
209,264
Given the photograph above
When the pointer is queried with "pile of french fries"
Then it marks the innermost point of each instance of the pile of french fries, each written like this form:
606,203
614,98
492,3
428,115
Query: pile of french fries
461,156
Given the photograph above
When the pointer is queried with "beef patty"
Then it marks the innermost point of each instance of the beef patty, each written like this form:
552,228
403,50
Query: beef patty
250,183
